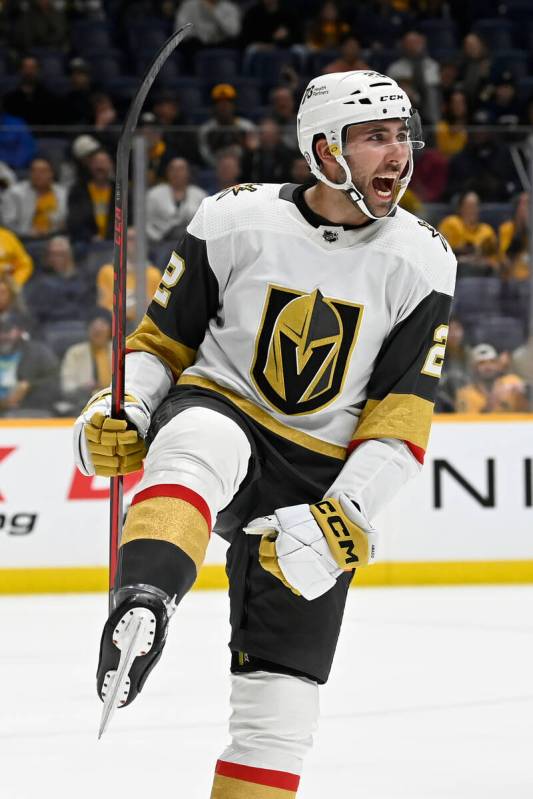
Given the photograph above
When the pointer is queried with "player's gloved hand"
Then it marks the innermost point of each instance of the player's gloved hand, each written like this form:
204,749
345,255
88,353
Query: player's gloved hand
106,446
308,546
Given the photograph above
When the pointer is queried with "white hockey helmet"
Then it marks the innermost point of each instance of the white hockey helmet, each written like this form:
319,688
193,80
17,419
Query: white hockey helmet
331,103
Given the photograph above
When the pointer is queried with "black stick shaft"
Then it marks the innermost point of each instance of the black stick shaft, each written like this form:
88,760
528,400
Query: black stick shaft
119,283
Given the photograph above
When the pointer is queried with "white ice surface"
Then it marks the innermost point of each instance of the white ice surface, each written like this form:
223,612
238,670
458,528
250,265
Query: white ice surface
431,697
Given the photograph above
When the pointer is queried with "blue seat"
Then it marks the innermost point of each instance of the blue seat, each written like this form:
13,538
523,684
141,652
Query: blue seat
477,298
91,34
52,64
496,32
188,91
267,65
495,213
122,87
505,333
317,62
55,149
222,64
525,88
149,34
516,61
105,64
440,33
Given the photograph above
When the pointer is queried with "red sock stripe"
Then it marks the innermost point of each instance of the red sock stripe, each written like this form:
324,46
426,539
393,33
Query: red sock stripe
259,776
178,492
418,452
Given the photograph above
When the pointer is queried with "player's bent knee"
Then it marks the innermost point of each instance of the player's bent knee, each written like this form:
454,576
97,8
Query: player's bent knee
273,720
203,450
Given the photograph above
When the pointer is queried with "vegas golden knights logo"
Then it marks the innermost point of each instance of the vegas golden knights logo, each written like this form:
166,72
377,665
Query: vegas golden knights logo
303,349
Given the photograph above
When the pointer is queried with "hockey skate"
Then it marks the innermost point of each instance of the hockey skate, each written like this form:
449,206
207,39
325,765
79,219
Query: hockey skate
132,643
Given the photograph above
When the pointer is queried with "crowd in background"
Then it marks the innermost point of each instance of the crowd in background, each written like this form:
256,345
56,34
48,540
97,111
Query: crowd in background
223,111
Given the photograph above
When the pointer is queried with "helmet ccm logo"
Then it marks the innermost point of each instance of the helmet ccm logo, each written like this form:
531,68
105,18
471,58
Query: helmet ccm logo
391,97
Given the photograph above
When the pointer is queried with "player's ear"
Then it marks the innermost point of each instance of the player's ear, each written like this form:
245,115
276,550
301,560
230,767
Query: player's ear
323,152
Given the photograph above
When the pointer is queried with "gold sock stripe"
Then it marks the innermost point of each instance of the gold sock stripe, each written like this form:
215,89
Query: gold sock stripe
230,788
168,519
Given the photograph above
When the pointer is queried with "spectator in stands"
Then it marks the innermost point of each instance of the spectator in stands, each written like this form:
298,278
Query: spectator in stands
217,23
86,367
29,380
327,29
430,175
104,280
60,298
224,129
17,146
36,207
422,71
105,122
300,172
227,172
283,111
451,130
266,159
491,388
77,101
12,304
155,147
91,201
350,57
82,148
474,68
513,238
14,260
31,100
41,25
522,364
171,205
449,77
503,107
484,166
268,24
474,242
169,116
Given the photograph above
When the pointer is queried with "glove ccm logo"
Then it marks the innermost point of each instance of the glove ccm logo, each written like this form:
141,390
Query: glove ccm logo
339,529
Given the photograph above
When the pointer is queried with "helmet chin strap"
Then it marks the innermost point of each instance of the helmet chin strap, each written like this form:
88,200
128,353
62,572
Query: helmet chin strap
351,190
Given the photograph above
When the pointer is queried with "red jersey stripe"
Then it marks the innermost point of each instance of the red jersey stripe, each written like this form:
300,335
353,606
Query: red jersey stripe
418,452
259,776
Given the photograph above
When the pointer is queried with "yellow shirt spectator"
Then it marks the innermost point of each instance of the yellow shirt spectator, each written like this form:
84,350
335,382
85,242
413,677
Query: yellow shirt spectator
14,260
104,283
45,209
461,235
514,240
450,138
101,200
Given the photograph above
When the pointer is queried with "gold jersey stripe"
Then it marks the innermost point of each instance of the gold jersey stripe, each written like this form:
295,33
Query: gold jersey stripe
149,338
230,788
263,418
169,519
403,416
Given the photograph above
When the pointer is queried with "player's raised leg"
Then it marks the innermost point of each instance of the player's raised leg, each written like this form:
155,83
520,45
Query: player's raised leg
193,469
271,727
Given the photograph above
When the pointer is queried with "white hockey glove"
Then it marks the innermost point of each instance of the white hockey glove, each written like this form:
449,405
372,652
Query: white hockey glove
308,546
106,446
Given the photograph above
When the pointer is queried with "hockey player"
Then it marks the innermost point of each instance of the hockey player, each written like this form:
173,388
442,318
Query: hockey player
282,381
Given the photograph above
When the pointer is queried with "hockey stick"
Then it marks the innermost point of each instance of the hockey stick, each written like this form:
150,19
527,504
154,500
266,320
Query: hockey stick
119,281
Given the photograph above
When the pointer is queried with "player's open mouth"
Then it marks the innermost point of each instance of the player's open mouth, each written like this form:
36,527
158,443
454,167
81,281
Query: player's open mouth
383,185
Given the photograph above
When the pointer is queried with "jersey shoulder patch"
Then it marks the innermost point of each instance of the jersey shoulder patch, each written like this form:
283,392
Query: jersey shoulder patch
245,206
420,244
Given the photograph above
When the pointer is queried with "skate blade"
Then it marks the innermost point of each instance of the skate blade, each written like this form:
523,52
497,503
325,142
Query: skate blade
134,636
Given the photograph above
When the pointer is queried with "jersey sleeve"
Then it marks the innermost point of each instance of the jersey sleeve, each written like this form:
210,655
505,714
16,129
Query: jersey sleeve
402,388
185,300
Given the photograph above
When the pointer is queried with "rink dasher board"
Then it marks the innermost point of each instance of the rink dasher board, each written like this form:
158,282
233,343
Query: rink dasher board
467,518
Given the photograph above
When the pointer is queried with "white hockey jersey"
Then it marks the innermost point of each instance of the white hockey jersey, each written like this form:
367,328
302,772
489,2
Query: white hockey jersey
326,335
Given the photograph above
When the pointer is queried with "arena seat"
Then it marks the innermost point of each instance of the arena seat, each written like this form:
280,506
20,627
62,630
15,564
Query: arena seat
222,64
90,34
440,33
516,61
475,298
497,33
506,333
